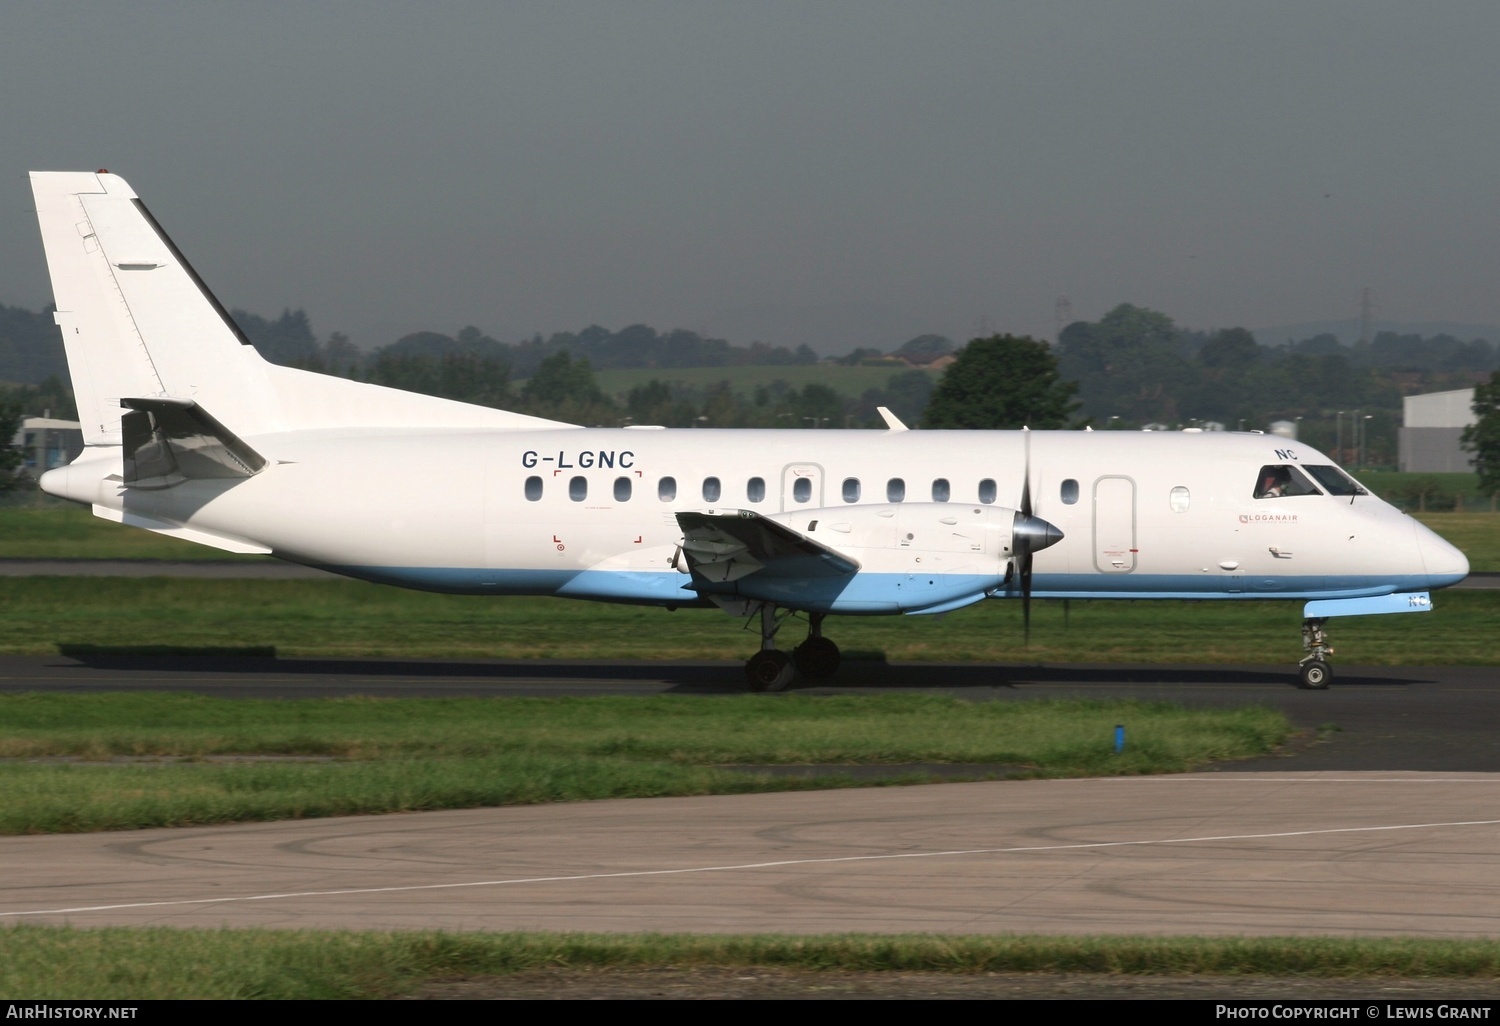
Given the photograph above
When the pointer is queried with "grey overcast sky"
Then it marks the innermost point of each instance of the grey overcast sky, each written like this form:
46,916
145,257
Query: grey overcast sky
827,172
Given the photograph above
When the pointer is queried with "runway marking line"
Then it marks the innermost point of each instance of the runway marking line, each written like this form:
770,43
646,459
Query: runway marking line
1242,778
744,866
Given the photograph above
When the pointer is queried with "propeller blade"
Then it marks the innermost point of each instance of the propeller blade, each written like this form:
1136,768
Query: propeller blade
1030,535
1026,475
1025,518
1026,600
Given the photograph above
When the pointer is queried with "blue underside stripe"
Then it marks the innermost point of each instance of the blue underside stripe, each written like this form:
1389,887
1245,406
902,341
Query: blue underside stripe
882,593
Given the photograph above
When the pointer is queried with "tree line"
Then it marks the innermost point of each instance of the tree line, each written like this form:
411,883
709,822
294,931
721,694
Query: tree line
1131,368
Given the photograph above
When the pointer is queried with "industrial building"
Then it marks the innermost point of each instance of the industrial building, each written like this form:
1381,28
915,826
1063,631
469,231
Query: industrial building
48,442
1432,429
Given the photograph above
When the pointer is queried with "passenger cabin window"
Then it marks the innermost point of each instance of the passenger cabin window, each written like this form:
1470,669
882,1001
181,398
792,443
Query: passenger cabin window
802,489
533,488
622,489
940,490
578,489
1180,499
987,491
711,489
755,489
1069,492
851,489
1334,480
1277,482
666,489
895,490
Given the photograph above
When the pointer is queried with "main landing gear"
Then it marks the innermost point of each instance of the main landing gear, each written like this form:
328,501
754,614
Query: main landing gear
770,669
1315,672
817,658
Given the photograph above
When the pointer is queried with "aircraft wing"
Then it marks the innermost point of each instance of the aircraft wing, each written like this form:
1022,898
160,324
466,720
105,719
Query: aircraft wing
722,547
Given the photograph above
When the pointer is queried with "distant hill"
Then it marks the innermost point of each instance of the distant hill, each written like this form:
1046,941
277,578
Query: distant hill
829,329
31,348
1347,331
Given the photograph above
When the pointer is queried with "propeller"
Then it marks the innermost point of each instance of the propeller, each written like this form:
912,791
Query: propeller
1031,534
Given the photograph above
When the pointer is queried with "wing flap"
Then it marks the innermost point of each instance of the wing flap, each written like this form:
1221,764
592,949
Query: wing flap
724,547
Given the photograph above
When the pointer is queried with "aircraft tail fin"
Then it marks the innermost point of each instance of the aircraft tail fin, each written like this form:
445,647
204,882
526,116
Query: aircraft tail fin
138,322
136,319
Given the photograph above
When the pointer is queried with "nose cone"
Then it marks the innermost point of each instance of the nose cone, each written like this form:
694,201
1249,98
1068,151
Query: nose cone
1033,534
1444,564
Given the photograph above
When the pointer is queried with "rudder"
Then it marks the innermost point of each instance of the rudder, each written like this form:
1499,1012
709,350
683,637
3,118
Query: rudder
135,318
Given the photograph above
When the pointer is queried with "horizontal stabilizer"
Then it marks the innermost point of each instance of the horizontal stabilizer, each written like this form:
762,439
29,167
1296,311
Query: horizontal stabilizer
723,547
196,535
171,440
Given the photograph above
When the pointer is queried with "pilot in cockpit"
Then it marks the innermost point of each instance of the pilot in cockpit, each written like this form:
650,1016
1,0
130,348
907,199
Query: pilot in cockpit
1273,482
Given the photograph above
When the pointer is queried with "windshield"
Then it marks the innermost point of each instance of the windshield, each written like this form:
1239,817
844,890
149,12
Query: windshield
1335,481
1277,482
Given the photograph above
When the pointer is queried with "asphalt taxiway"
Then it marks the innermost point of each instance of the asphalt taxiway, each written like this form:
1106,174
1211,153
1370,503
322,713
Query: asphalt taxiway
1383,818
1435,718
1288,853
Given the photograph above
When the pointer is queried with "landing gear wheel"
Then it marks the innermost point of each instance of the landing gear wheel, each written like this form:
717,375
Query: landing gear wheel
1315,675
769,670
817,658
1315,671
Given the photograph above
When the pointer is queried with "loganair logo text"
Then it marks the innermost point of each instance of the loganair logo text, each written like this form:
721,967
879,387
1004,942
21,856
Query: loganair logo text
1264,518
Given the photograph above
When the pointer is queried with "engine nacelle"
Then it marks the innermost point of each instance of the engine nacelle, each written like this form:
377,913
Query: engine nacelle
902,535
897,558
913,557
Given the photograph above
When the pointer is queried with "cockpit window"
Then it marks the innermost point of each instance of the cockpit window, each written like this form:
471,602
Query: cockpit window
1275,482
1335,481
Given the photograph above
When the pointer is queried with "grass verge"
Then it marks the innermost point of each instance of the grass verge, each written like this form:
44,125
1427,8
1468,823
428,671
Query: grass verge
45,615
145,964
389,755
68,531
1477,535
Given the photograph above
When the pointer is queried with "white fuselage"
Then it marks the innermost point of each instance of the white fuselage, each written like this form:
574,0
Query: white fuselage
590,513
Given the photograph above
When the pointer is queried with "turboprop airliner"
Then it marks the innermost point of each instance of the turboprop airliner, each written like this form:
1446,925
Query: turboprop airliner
190,433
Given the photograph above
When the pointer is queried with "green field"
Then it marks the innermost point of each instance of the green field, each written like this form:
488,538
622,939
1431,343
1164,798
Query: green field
57,530
1423,493
162,963
79,615
123,761
1476,534
132,760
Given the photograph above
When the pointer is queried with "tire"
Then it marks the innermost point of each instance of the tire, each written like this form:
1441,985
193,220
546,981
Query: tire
817,658
1316,675
769,671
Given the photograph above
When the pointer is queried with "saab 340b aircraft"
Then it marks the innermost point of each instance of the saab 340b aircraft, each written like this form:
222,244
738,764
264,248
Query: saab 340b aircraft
191,434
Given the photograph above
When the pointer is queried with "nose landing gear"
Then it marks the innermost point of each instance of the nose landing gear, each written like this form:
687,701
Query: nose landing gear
1315,671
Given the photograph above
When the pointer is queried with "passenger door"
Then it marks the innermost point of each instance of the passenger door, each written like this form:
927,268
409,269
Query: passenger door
1114,525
